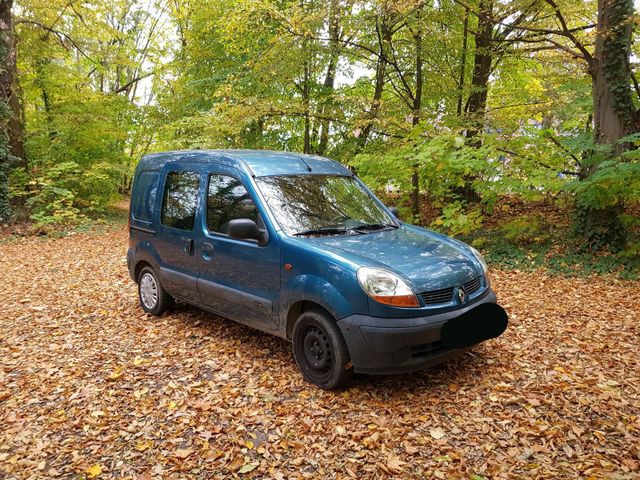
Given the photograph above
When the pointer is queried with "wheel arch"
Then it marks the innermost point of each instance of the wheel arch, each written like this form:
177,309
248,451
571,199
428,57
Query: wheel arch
138,268
297,308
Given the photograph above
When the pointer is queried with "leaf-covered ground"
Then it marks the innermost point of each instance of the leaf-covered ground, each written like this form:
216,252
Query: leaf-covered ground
92,387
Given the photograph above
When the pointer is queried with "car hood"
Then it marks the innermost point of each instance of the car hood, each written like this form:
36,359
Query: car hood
429,260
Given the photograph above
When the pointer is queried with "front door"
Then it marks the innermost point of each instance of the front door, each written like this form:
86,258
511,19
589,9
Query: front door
176,238
240,279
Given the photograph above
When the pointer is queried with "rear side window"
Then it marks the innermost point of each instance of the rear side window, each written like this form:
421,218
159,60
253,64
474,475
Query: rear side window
144,196
228,200
180,200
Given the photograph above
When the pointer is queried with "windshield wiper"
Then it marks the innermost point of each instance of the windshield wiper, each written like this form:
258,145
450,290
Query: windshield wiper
373,226
322,231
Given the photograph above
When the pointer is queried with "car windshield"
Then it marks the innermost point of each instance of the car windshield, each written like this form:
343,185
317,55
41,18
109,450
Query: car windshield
322,205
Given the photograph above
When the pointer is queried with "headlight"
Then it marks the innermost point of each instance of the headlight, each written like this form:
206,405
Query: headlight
480,258
386,287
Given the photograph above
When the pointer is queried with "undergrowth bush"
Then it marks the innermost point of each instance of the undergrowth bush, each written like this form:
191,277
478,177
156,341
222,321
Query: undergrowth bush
64,194
458,219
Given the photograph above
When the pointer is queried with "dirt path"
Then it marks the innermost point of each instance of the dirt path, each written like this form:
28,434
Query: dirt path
90,386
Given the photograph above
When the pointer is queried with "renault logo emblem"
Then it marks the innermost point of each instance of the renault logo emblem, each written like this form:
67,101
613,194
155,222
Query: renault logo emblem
462,296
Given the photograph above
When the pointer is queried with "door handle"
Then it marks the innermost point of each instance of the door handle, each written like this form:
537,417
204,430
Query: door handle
189,246
207,251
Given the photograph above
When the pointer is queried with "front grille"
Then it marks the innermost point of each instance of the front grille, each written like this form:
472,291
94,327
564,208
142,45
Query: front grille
445,295
437,296
472,286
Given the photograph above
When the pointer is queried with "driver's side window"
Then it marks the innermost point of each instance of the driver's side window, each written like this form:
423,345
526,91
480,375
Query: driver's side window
228,199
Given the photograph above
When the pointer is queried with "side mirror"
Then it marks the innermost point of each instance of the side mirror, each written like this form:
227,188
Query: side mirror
244,229
395,211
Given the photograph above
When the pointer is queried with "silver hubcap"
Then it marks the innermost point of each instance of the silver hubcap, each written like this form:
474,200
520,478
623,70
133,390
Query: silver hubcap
148,291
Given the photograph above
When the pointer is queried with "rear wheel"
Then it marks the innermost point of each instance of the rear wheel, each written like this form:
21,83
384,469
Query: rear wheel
320,350
154,299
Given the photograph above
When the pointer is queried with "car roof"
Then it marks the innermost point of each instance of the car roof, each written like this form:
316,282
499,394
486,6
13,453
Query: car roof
258,163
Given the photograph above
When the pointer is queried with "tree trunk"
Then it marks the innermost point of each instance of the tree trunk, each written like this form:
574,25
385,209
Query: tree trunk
614,115
477,102
306,93
330,77
384,43
7,58
463,60
417,108
8,83
613,110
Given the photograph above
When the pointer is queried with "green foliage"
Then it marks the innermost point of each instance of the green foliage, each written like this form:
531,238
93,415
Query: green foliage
615,181
336,78
457,219
525,229
53,199
502,253
86,124
64,193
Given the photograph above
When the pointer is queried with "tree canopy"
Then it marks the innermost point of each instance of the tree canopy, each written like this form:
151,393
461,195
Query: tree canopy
459,102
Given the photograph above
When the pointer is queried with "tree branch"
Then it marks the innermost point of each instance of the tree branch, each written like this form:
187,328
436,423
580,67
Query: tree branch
555,141
568,33
58,34
124,87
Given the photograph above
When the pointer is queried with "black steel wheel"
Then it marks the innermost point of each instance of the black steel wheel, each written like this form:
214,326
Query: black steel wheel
320,350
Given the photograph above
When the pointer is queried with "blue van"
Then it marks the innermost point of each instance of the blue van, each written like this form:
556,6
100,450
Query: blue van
297,246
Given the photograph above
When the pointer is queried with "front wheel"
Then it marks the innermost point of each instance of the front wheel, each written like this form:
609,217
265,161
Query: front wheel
320,351
154,299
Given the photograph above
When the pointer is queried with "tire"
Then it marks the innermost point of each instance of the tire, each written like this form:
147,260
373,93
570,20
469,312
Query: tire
320,350
153,298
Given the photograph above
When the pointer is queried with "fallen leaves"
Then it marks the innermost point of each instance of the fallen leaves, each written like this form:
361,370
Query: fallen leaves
247,467
92,387
437,433
183,453
93,471
394,464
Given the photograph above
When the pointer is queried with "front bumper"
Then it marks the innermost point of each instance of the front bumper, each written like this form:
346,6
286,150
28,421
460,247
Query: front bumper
383,346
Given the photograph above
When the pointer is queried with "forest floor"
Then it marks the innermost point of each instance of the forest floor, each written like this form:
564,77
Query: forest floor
91,387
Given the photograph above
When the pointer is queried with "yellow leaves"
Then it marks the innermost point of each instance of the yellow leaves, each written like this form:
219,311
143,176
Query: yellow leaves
59,416
183,453
143,445
138,394
116,374
247,467
93,471
372,440
249,444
